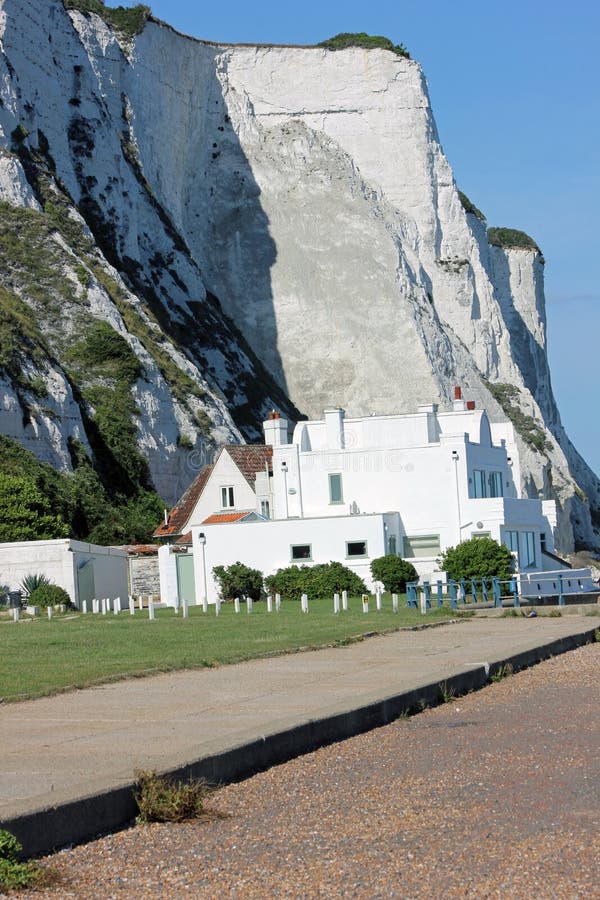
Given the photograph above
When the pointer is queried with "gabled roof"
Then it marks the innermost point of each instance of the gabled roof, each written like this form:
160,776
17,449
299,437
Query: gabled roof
180,514
250,459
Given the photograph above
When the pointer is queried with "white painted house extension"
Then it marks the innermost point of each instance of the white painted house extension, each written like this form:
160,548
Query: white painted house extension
352,489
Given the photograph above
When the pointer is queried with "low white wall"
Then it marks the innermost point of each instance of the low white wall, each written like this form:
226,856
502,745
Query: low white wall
266,545
547,584
167,571
59,561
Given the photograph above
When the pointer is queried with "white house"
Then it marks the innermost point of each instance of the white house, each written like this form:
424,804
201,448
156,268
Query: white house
352,489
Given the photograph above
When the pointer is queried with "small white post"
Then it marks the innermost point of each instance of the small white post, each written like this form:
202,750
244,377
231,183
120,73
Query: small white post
140,602
218,606
304,603
95,606
184,608
249,604
336,603
236,604
104,602
269,604
423,603
277,602
204,604
150,608
395,603
117,606
50,611
176,606
17,613
365,603
84,606
345,600
131,606
378,600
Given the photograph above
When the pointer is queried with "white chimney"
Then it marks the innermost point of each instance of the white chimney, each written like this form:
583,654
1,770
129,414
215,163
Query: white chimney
334,428
275,429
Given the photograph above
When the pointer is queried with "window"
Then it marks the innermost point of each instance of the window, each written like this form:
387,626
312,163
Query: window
265,509
487,484
422,545
356,548
227,501
301,551
481,534
392,544
511,539
527,555
335,488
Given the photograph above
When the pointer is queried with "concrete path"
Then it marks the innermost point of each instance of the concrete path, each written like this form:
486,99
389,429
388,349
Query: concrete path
69,761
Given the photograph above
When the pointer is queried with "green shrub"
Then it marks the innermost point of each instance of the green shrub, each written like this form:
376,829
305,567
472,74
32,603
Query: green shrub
318,581
15,875
161,799
32,582
367,41
394,572
26,512
239,580
477,558
49,595
525,425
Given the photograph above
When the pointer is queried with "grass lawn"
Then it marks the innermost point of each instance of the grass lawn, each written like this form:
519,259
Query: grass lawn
42,657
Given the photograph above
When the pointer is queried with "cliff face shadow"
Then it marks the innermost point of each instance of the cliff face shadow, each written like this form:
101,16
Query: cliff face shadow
229,230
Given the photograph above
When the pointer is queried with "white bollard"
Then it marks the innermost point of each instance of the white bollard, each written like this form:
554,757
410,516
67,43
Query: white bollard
249,604
204,605
218,606
378,600
236,604
345,601
304,603
150,608
117,606
104,602
84,606
131,606
140,602
269,604
365,603
184,608
277,602
395,603
176,606
95,606
50,611
423,604
17,613
336,603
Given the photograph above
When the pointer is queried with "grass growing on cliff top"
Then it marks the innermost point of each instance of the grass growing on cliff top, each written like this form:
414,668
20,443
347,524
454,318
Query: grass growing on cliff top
128,21
511,239
526,426
367,41
43,657
469,206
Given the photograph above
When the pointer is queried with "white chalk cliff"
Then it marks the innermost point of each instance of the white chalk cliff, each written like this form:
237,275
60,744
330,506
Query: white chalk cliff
305,189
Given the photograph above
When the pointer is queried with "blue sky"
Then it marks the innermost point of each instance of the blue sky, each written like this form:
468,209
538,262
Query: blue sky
515,88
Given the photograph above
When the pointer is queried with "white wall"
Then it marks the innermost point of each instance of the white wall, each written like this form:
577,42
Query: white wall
224,474
266,545
167,571
58,561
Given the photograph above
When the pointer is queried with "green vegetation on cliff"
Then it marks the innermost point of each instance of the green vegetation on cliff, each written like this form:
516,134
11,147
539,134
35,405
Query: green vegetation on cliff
526,426
511,239
366,41
128,21
470,207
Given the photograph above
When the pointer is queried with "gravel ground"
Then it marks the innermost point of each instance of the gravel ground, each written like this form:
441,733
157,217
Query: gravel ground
496,794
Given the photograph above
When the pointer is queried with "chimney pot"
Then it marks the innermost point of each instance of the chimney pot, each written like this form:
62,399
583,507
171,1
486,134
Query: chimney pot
470,404
457,393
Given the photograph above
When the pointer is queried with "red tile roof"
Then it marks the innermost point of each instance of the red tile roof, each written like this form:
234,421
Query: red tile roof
180,514
250,459
221,518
